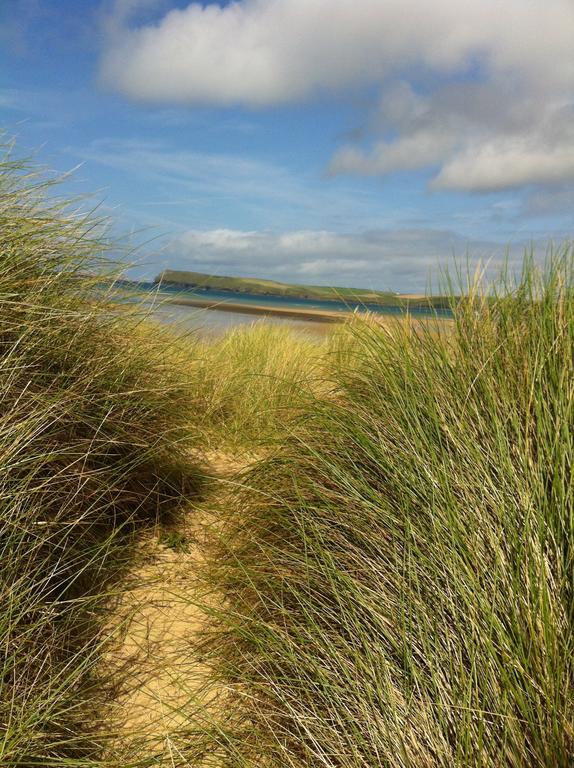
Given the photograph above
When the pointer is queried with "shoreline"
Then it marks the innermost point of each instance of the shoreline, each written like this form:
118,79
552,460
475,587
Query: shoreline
305,315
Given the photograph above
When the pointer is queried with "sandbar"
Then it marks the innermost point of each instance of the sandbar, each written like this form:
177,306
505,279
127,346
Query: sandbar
294,313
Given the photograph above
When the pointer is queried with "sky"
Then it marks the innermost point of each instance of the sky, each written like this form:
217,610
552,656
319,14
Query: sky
350,142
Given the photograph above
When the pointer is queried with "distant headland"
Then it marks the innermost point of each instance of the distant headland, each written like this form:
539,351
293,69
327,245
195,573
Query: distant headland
256,286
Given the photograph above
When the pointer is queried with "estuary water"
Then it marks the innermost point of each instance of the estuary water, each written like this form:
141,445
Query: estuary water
213,321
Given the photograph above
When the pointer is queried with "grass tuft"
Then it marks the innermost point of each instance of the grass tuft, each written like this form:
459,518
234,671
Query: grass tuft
252,382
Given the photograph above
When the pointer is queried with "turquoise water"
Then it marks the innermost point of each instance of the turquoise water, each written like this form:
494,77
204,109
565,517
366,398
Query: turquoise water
214,321
287,302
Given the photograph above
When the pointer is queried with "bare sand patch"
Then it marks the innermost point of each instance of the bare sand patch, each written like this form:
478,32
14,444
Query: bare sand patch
162,681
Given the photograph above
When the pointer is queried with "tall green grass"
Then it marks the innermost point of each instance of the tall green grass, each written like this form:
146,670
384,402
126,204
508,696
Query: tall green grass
95,432
252,383
399,575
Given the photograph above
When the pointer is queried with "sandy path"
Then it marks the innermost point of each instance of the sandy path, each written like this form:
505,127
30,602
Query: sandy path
155,624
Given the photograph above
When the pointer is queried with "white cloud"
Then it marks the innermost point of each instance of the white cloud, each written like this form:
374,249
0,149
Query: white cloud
496,129
276,51
482,137
506,163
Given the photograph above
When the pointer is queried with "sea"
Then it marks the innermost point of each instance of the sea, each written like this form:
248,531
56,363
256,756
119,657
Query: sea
215,322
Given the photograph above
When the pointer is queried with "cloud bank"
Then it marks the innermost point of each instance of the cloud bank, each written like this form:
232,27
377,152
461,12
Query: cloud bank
478,92
394,259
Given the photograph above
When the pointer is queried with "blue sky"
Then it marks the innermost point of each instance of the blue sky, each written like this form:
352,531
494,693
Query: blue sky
356,143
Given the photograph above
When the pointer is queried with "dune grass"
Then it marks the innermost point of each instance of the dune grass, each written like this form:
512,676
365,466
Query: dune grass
95,432
393,577
399,572
252,383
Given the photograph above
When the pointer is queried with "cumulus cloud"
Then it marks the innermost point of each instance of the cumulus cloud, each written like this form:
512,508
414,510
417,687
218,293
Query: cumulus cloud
495,129
396,259
481,137
505,163
275,51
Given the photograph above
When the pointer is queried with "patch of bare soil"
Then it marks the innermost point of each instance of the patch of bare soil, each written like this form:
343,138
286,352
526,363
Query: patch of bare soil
161,678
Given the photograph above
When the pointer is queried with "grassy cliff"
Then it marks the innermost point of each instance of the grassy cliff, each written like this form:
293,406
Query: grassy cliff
261,287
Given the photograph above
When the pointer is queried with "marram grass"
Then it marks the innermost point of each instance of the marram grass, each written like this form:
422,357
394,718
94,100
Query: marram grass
399,575
94,441
252,381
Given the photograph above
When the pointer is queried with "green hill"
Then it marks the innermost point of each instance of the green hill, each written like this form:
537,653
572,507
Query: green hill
261,287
